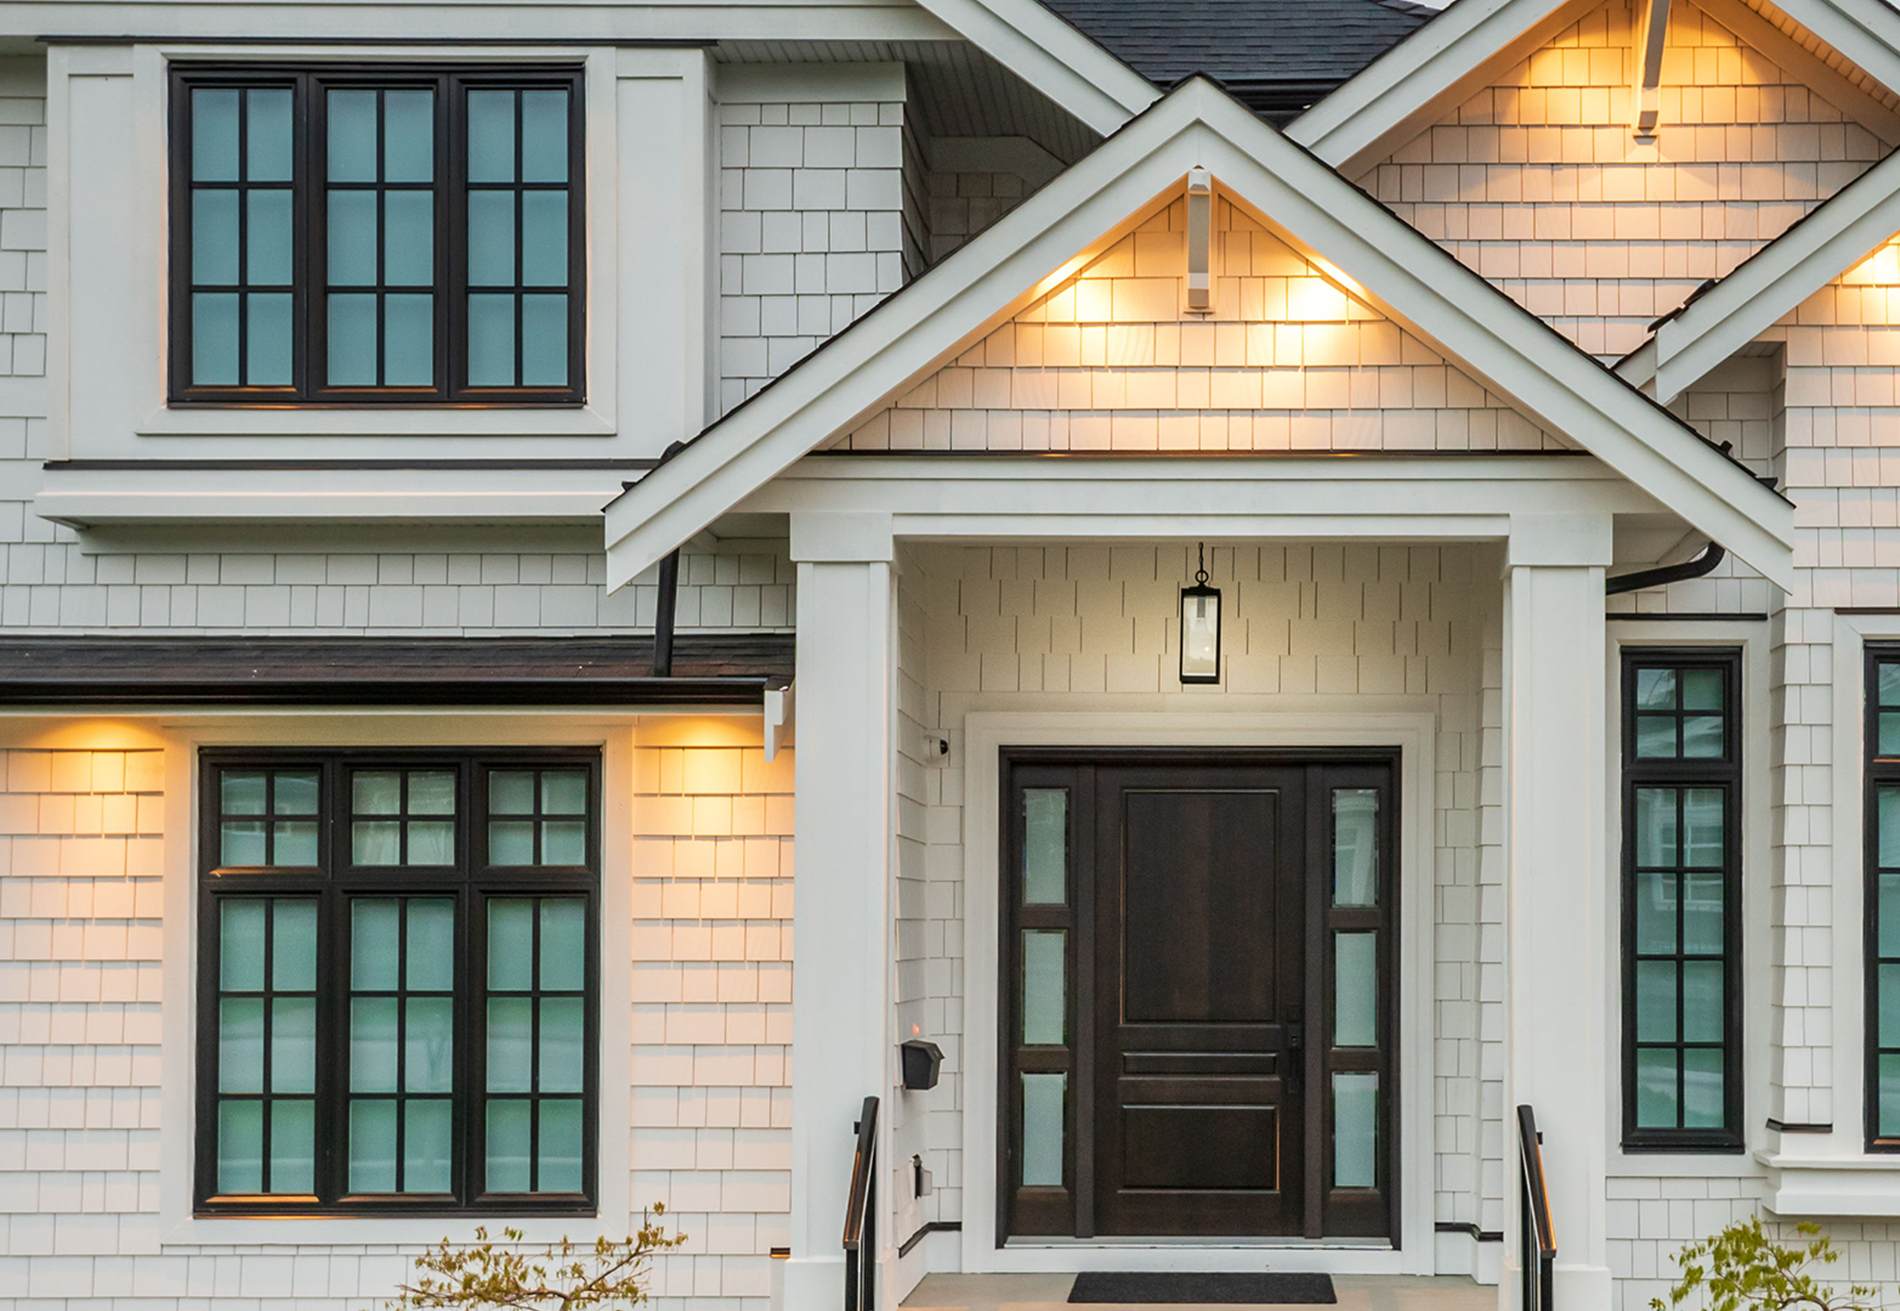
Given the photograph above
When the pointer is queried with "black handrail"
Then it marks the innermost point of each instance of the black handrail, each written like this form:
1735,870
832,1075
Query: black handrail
1536,1239
860,1219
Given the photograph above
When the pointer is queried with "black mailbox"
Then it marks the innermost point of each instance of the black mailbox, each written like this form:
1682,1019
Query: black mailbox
923,1061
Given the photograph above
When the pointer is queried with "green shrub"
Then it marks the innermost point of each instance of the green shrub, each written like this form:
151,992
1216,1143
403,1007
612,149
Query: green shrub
1742,1269
561,1277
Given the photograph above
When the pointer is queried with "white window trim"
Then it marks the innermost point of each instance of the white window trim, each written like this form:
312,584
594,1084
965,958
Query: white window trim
1251,721
614,1217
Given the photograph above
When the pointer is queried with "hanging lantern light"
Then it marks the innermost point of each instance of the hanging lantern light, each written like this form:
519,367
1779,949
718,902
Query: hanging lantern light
1200,628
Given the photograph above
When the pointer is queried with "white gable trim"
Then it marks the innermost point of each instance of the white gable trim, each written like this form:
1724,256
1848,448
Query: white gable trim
1406,274
1772,283
1416,82
1054,57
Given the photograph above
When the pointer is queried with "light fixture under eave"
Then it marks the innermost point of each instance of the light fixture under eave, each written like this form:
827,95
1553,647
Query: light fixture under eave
1200,628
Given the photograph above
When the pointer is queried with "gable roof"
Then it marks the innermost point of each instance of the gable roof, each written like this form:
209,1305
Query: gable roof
1726,315
1417,81
1197,125
1275,56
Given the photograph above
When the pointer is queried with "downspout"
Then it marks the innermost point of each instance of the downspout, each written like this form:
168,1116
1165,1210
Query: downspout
1702,565
669,594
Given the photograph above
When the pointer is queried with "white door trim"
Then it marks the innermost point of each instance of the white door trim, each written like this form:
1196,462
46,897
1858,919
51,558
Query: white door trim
985,735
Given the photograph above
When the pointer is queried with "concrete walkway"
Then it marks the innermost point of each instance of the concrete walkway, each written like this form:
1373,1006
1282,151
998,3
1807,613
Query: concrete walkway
1051,1293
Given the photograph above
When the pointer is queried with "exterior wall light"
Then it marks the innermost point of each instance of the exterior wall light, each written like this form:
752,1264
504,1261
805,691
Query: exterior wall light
1200,628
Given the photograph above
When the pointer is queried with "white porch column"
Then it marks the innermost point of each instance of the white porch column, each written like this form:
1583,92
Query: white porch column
841,908
1561,941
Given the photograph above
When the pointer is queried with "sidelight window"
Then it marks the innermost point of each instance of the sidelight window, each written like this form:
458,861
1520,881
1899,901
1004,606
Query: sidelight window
377,235
398,1012
1682,1085
1882,884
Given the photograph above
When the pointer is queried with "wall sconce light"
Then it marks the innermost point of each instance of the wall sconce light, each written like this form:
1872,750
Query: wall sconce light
1200,628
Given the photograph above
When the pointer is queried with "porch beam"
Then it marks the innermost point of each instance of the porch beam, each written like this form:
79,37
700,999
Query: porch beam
1558,948
841,884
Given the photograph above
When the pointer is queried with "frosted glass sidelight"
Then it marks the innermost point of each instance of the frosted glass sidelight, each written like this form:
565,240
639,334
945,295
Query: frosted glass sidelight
1655,896
1045,985
241,945
563,842
1355,989
563,1045
241,1147
351,352
1702,1089
267,248
408,238
563,944
1045,846
510,945
240,843
510,1044
214,339
560,1155
267,330
491,238
425,1146
292,1147
294,951
373,944
351,136
352,242
429,1045
430,966
372,1044
408,136
543,341
293,1045
491,136
491,340
564,792
511,792
214,134
1355,1129
1656,1088
1044,1102
544,136
544,238
267,134
241,1045
509,1130
1655,1001
1702,1001
214,238
1355,847
372,1146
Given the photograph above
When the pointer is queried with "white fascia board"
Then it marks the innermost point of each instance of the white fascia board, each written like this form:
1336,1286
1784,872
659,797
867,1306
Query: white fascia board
1409,276
1052,56
1408,81
85,497
1773,282
1865,31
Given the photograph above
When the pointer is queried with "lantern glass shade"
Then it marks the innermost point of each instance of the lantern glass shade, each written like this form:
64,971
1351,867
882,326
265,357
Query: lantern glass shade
1200,634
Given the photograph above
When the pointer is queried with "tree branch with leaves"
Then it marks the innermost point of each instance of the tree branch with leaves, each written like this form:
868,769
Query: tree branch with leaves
564,1276
1743,1269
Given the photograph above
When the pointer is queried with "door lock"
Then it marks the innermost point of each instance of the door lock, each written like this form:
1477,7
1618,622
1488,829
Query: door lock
1295,1058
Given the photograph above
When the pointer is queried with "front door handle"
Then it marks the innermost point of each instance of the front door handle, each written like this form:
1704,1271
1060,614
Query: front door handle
1295,1058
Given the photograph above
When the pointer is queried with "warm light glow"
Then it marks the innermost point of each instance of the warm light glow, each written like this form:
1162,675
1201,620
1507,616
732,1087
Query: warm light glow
79,734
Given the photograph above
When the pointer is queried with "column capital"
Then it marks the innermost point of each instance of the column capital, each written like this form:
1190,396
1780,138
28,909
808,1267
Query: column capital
1559,540
841,537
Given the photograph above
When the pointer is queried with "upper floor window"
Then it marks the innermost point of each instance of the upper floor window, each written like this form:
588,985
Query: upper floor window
397,998
1882,918
1682,900
376,235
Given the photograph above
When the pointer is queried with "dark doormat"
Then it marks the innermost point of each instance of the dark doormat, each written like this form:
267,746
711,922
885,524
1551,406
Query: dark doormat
1259,1288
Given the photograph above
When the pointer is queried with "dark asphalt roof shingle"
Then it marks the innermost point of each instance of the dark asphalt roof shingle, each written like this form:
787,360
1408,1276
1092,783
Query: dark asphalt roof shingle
1275,56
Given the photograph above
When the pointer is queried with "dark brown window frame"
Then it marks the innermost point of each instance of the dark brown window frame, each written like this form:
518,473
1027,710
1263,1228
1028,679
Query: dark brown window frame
309,244
331,884
1878,770
1726,774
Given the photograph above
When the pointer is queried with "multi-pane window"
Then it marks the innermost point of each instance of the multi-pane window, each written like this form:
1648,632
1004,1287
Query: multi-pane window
377,235
397,1002
1882,918
1682,772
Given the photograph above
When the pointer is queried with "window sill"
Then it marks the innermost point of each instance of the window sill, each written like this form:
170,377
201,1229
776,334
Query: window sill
1867,1184
197,1231
271,421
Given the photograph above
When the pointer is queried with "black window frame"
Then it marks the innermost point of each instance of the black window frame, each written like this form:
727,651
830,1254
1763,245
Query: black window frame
471,882
309,244
1878,770
1724,773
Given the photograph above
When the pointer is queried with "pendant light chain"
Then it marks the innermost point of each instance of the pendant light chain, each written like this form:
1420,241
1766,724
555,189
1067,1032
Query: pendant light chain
1200,573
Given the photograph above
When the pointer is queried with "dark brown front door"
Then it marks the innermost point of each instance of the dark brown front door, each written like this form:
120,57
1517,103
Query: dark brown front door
1197,962
1199,1000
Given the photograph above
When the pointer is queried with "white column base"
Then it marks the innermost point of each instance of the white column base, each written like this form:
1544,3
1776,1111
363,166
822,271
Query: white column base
809,1283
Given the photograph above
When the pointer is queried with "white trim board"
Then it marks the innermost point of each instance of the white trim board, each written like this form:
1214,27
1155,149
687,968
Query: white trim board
1255,721
1404,273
